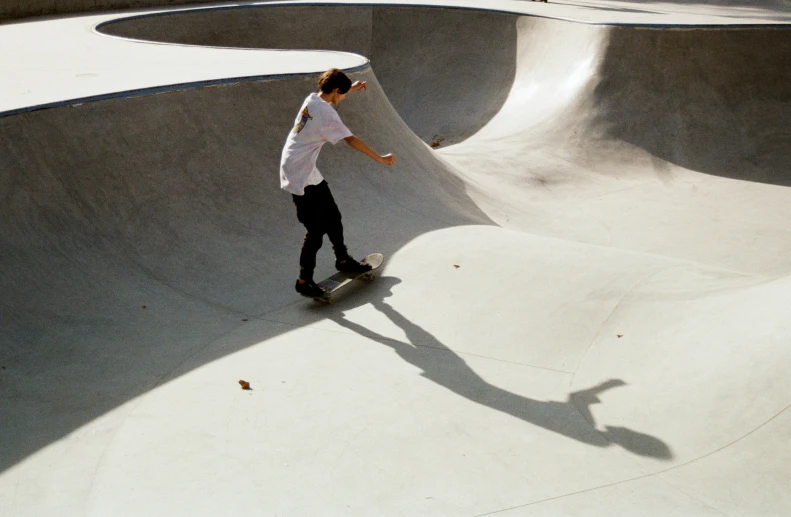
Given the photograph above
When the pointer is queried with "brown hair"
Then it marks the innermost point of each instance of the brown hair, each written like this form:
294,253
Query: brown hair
332,79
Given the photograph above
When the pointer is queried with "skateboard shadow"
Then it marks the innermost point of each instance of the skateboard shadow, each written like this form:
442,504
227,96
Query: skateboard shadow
571,418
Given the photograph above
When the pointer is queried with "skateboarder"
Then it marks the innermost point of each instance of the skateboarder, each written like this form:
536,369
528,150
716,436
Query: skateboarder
316,124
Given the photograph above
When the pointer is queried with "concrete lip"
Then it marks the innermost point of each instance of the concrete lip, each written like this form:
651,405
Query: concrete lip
583,308
105,68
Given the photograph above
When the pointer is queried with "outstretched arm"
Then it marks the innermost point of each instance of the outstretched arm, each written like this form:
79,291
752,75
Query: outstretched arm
387,159
359,85
583,399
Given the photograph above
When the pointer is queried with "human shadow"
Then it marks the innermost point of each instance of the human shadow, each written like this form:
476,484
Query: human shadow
571,418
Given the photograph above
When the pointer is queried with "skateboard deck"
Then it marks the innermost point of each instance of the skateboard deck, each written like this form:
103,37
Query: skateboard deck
340,279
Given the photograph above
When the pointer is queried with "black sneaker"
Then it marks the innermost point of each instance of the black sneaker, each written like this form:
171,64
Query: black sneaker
352,266
310,289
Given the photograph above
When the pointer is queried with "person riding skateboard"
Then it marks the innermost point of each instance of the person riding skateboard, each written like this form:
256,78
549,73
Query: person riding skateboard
316,124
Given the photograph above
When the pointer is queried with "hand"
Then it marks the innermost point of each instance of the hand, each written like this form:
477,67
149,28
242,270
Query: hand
387,159
359,85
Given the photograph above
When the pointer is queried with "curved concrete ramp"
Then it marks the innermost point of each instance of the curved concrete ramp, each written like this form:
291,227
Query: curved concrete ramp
584,305
441,68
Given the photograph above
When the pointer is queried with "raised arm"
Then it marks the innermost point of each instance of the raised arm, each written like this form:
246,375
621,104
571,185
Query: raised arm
359,85
356,143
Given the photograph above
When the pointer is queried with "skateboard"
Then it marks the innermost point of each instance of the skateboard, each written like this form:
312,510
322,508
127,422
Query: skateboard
340,279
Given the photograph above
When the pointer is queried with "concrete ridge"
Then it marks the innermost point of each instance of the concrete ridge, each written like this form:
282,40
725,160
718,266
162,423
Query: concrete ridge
592,12
500,6
114,20
130,94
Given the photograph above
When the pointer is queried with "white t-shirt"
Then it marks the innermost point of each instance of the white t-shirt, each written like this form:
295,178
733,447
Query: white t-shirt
316,124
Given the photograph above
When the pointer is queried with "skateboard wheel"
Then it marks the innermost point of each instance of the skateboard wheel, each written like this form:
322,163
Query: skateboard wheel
330,300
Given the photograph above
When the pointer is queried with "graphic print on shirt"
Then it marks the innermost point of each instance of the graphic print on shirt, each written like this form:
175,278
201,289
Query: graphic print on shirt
304,120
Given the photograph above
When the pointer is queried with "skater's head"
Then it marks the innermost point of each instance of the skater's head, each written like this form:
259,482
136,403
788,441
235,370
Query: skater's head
334,85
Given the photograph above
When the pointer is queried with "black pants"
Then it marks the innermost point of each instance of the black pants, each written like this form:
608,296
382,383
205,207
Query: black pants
319,213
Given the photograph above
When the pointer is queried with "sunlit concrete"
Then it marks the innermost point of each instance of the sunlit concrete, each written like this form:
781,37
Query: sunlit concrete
584,306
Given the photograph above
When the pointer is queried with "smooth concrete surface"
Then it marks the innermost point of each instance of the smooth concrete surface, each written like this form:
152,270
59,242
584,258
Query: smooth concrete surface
405,46
19,9
600,9
583,310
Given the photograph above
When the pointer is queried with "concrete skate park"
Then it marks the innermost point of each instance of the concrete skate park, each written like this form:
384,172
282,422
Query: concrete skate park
584,309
